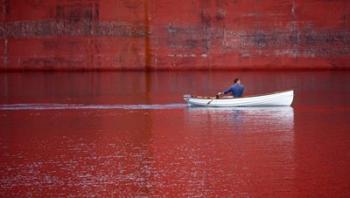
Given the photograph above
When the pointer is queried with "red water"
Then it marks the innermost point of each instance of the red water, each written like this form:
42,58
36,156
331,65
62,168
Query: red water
130,134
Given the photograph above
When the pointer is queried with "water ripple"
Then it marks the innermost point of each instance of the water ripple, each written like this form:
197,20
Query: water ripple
56,106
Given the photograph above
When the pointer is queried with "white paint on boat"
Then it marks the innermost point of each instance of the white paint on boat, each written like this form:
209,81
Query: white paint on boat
284,98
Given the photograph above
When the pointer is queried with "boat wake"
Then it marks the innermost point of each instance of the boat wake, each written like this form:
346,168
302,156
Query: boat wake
55,106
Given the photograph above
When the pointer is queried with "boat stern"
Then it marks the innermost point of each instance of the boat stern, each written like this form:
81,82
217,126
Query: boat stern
187,97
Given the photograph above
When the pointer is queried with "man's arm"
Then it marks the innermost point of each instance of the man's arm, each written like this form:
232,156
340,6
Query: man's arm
227,91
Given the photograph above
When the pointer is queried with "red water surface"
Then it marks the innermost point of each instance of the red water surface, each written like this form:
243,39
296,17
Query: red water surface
130,134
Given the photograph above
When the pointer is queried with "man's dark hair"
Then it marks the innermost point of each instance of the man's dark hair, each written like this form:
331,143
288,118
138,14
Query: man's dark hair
236,80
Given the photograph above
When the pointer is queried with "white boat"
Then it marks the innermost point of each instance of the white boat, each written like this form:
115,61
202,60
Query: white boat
284,98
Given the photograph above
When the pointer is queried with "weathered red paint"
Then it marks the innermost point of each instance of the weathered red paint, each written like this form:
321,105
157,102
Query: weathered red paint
174,35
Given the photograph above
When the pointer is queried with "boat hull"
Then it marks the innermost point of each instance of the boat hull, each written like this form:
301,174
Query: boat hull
284,98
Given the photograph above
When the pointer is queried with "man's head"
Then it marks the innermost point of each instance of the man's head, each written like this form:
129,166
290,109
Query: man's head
237,80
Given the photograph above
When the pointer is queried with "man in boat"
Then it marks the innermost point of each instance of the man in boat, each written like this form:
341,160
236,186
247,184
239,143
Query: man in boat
236,89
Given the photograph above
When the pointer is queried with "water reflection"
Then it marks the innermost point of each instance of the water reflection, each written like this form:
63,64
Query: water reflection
243,118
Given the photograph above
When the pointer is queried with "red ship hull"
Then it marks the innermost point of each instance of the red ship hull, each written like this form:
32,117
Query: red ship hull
174,35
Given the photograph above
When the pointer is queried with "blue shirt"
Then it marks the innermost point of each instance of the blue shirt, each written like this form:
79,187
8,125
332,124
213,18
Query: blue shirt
236,90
